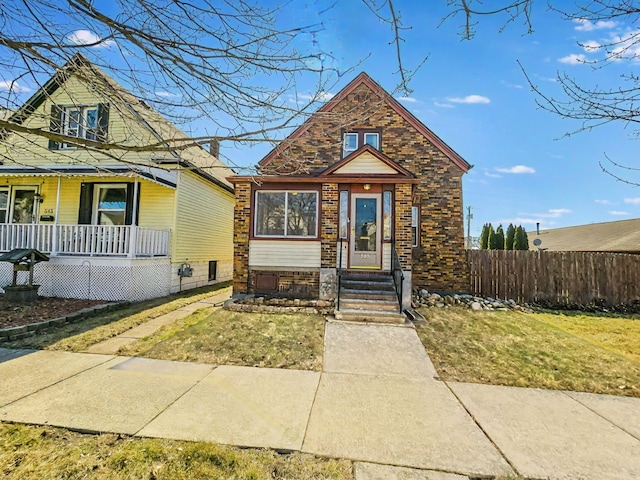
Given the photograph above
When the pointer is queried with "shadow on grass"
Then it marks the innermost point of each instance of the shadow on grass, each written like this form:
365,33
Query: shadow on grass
113,322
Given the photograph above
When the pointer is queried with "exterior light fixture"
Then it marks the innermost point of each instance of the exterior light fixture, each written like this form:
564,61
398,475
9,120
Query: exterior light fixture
367,186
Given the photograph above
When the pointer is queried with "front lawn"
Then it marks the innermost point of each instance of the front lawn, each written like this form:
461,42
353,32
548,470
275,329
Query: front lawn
34,453
222,337
586,353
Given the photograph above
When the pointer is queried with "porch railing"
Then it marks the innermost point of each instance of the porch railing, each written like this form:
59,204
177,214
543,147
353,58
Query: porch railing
396,272
339,273
105,240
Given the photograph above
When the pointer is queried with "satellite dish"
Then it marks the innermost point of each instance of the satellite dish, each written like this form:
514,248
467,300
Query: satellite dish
537,242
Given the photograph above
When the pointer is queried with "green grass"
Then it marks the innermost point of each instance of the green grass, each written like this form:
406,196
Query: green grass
223,337
581,352
34,453
77,337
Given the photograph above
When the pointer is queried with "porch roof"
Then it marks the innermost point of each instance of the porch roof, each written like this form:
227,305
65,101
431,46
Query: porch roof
156,175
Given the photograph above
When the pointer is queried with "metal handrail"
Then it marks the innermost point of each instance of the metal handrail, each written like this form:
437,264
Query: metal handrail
339,273
396,272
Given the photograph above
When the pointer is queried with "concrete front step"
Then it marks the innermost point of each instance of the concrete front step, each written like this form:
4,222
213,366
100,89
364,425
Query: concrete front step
369,305
349,293
365,285
375,316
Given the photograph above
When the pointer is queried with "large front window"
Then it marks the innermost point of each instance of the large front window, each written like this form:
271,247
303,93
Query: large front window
110,204
286,214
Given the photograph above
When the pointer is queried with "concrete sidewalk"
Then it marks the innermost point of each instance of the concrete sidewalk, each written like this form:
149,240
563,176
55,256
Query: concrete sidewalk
376,402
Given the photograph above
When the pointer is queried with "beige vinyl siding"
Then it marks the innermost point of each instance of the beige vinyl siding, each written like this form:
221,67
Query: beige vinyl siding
284,254
204,221
365,163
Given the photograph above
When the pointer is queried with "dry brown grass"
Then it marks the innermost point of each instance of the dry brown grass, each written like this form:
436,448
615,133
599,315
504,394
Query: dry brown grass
222,337
534,350
77,337
35,453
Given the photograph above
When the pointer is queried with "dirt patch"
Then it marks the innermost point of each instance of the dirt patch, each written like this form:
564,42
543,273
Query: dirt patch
13,315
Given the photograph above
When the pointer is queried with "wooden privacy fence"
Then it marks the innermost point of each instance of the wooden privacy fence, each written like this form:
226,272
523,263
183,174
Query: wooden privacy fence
555,277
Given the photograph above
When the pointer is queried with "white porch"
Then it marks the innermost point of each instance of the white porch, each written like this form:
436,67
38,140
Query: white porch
128,241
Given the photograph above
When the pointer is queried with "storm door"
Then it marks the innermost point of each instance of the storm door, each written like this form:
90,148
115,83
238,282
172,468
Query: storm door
366,233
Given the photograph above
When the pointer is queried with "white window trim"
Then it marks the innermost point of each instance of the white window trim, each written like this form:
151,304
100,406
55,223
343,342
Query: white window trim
286,208
377,135
96,201
82,126
415,223
346,151
12,201
6,207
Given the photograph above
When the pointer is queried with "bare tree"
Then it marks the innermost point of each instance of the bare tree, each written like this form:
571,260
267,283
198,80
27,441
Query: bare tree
233,62
591,105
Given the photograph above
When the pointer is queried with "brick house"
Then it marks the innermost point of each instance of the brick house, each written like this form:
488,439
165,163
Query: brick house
361,186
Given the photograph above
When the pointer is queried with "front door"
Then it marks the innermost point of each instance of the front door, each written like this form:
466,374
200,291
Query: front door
23,205
365,231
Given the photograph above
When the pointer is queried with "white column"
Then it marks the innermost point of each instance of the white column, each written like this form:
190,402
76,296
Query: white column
54,246
133,238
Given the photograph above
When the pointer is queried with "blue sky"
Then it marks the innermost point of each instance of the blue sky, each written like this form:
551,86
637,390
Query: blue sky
476,98
474,95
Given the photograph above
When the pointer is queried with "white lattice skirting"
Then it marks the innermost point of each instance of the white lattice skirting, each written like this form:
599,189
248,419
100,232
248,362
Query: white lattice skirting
98,278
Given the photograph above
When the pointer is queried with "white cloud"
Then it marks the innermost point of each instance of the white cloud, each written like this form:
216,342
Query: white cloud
603,202
492,175
85,37
516,169
469,99
626,46
574,59
407,99
443,105
590,46
166,94
318,97
13,87
635,200
584,25
618,212
556,212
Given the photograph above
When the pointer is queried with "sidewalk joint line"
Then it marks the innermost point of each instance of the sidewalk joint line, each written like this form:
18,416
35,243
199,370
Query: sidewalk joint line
599,414
313,403
483,430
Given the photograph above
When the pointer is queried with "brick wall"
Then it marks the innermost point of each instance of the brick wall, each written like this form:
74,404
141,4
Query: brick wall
329,226
289,283
439,261
241,231
403,203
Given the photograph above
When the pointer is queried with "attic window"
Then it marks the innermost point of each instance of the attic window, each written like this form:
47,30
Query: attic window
352,141
79,121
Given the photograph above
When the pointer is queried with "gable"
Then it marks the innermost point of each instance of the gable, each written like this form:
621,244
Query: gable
362,104
365,164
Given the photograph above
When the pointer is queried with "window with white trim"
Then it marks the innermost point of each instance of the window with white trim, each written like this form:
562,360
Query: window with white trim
352,141
344,213
110,204
415,223
4,205
286,214
80,122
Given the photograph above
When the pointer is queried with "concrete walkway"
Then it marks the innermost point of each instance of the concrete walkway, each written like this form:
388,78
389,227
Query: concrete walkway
112,345
376,402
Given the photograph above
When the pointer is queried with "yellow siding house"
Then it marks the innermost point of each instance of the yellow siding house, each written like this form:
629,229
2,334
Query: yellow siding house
126,206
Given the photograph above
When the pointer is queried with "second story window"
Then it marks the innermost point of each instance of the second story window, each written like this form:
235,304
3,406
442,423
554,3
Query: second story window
352,141
79,121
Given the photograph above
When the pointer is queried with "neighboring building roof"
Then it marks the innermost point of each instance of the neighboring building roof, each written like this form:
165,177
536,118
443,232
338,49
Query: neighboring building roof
619,236
160,128
365,79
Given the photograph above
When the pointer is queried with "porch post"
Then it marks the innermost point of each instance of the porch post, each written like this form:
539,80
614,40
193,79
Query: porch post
134,221
54,246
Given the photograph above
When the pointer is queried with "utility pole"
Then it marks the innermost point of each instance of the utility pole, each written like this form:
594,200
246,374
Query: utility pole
469,217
